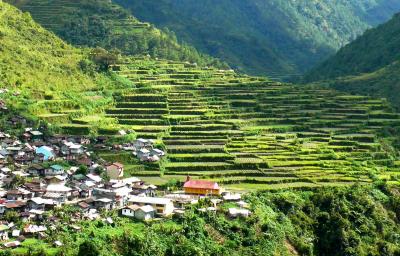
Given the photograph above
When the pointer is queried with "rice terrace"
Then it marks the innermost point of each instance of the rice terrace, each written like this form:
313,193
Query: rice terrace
199,127
248,132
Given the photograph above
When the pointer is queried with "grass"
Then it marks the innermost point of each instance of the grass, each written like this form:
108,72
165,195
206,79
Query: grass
35,244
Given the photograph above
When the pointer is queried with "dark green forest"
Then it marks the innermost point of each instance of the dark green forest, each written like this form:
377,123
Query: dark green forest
368,66
375,49
280,39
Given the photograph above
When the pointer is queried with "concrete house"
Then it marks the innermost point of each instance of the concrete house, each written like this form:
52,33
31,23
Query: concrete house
143,143
54,170
18,206
36,135
13,151
38,203
36,170
129,211
235,212
84,207
162,206
70,148
157,152
145,213
103,203
19,194
4,232
143,154
201,187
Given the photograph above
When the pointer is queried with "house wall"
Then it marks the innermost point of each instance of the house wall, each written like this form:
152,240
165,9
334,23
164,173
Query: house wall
164,209
128,212
4,235
140,215
169,209
201,191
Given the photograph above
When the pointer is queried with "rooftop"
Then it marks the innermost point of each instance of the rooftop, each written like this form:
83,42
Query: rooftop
149,200
202,184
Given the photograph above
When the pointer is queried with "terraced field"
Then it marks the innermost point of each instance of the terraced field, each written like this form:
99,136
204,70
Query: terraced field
50,14
250,132
102,23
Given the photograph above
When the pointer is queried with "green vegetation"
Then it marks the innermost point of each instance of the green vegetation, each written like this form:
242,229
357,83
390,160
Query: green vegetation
281,39
375,49
248,132
100,23
215,124
314,157
368,66
53,81
42,72
353,220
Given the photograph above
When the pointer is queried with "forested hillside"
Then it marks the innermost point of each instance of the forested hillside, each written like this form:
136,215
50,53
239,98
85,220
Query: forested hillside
100,23
42,72
278,38
368,66
375,49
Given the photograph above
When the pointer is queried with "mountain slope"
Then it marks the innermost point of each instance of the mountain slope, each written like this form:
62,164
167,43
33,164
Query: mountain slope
242,131
100,23
369,66
42,72
375,49
277,38
384,82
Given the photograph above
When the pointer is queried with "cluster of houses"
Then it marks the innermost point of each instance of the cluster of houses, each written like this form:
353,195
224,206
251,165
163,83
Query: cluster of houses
34,179
145,151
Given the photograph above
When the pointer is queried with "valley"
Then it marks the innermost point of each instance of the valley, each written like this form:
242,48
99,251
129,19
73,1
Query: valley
118,138
278,39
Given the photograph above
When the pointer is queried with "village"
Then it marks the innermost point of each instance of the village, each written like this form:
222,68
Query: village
40,173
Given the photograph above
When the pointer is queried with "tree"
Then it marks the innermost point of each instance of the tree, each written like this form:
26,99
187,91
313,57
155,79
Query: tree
82,170
103,58
17,181
88,248
99,170
11,216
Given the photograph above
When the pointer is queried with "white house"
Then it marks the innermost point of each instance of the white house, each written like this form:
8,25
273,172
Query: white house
157,152
232,197
76,149
94,177
142,143
234,212
4,232
162,206
146,212
129,211
69,148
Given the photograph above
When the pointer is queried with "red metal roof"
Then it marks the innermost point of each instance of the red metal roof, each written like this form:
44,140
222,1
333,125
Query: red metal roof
202,184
